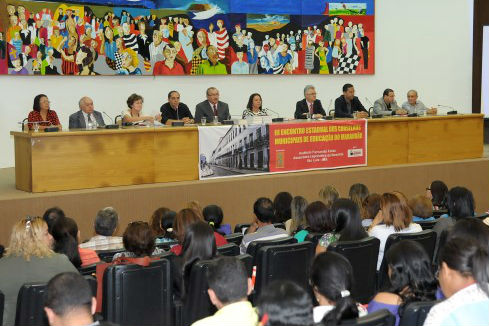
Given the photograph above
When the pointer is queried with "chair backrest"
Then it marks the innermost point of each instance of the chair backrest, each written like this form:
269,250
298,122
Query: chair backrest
415,313
167,245
2,304
30,305
426,238
230,249
290,261
279,225
136,295
313,237
88,270
107,255
362,255
248,261
234,238
439,213
482,216
254,246
427,225
380,317
238,228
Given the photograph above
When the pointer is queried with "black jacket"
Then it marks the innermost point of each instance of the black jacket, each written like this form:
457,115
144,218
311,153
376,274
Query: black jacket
341,109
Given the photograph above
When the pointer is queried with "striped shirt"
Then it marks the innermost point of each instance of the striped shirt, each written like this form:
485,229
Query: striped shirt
131,42
267,232
102,242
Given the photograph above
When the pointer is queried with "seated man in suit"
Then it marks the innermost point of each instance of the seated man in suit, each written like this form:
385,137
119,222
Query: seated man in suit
86,115
309,105
387,105
212,107
348,104
174,110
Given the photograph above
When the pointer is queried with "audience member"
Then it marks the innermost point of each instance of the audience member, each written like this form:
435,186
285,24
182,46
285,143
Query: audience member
213,215
421,208
229,287
332,282
348,224
262,227
464,278
328,195
66,236
297,215
394,216
195,205
161,223
411,279
473,229
285,303
281,206
358,193
29,258
105,225
139,241
51,214
437,193
371,207
319,221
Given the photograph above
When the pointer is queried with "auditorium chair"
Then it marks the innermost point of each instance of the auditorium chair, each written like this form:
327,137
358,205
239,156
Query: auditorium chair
167,245
137,295
238,228
415,313
438,213
107,255
362,255
30,305
234,238
377,318
427,225
279,225
313,237
482,216
291,261
2,304
89,269
426,238
230,249
254,246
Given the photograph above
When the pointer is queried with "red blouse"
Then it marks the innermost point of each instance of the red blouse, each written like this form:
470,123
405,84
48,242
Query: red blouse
52,117
220,241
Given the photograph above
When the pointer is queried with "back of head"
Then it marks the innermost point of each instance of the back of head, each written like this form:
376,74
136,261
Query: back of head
263,209
106,221
371,206
332,277
28,238
213,215
199,242
51,214
156,221
318,217
65,235
285,303
298,213
183,219
228,278
139,239
421,206
471,228
195,205
358,193
328,195
460,203
346,215
395,211
439,191
281,205
68,292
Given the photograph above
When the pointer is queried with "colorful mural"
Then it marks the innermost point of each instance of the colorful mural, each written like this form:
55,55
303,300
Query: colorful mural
187,37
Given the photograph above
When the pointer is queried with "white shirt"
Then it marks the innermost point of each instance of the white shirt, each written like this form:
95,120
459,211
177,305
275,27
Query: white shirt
320,311
92,116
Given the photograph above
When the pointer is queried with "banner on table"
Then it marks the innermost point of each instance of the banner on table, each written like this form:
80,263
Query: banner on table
229,151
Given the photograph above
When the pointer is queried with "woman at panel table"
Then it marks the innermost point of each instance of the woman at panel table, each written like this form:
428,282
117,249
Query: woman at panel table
42,112
134,113
254,107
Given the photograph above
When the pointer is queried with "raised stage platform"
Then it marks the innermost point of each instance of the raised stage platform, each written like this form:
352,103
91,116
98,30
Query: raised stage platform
235,195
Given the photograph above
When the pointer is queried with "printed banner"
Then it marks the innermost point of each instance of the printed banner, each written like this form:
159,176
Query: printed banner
229,151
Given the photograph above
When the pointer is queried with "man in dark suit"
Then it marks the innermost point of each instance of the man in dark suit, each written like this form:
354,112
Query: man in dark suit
347,104
309,105
212,107
87,114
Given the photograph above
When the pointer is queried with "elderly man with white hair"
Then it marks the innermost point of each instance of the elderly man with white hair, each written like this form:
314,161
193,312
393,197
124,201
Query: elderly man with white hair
87,116
413,105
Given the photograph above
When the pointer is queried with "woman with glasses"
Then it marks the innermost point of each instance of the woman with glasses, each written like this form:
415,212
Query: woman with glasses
29,258
41,111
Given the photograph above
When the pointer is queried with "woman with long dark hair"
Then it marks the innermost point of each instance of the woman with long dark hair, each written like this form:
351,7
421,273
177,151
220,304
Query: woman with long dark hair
281,206
437,192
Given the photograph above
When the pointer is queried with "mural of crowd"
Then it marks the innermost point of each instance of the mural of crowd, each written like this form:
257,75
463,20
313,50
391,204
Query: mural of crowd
57,38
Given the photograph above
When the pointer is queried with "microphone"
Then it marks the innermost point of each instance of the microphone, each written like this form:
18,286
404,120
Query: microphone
117,116
369,103
114,126
26,119
278,118
453,111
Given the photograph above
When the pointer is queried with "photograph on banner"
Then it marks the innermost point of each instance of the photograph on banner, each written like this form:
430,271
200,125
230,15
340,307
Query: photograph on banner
230,151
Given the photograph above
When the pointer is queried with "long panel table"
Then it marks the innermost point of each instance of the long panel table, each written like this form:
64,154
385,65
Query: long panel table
69,160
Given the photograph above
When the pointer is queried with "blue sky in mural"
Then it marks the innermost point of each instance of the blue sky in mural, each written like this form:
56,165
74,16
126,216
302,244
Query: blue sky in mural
268,19
266,6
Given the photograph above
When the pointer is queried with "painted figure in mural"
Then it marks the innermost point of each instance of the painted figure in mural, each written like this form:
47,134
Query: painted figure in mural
130,63
222,39
185,36
68,55
156,47
169,66
240,67
322,53
200,52
85,58
212,66
309,64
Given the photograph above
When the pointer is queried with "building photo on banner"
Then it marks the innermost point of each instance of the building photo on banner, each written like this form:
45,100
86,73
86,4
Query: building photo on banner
187,37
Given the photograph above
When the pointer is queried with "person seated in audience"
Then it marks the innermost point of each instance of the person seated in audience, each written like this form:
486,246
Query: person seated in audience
139,241
41,111
262,227
229,287
358,193
281,205
460,204
411,279
332,282
196,206
183,219
105,225
161,223
285,303
328,195
50,216
319,221
371,207
464,276
347,224
174,110
309,105
422,209
394,216
348,105
134,113
437,192
213,215
254,107
297,215
387,105
413,105
470,228
86,115
212,107
29,258
66,236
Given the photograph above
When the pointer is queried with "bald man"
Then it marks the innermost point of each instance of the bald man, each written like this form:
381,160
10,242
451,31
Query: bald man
81,119
413,105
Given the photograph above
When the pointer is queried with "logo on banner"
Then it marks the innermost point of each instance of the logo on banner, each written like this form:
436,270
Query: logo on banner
280,164
357,152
